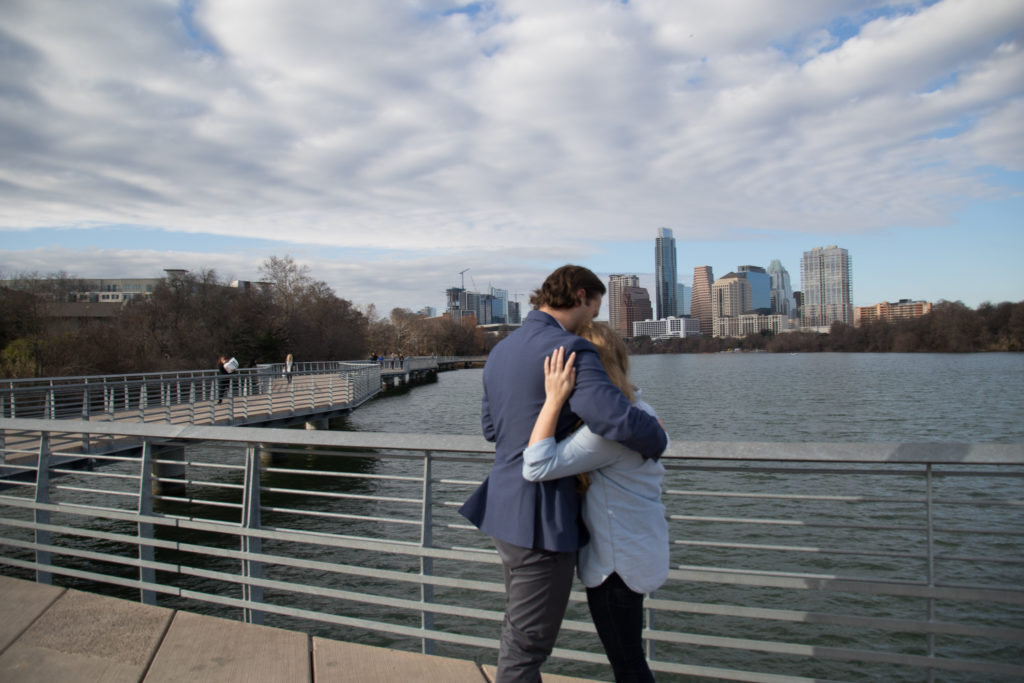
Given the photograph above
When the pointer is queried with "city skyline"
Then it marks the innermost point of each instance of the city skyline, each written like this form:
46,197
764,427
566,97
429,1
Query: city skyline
392,148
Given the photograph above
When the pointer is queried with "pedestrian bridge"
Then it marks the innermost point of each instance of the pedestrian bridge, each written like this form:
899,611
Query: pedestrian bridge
789,561
265,396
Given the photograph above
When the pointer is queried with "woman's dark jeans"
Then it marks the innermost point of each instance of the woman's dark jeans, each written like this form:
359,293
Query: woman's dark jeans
618,614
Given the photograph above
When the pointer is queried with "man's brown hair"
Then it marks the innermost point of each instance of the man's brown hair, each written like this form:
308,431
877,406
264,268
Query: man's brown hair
559,289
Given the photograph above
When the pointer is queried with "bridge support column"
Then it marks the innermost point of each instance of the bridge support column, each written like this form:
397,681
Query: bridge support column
268,456
168,463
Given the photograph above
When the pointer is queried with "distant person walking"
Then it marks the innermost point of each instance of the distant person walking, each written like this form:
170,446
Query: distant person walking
223,381
289,368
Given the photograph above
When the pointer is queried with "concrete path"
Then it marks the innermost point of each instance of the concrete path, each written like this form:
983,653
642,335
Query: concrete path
48,633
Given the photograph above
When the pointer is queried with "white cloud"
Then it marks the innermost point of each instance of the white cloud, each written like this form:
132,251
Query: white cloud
525,124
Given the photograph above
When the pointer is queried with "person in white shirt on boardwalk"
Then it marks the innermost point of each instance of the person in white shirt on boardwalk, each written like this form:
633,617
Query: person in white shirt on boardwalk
628,552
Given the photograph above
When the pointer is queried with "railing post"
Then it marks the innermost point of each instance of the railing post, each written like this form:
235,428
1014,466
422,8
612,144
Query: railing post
145,529
42,517
251,569
167,394
929,511
427,563
649,625
85,416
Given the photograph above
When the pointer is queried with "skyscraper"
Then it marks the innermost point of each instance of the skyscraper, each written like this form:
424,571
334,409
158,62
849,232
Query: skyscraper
827,284
616,302
665,275
731,296
636,303
683,299
760,287
700,302
782,300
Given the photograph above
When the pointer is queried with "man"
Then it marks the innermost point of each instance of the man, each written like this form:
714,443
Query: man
535,526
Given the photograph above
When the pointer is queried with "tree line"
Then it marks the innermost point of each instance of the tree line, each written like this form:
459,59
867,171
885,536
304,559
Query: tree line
950,327
192,317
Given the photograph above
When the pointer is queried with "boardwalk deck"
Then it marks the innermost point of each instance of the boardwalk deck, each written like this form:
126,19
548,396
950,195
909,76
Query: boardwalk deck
48,633
304,400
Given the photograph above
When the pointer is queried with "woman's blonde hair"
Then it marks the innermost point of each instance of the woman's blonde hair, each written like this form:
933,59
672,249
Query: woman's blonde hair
614,355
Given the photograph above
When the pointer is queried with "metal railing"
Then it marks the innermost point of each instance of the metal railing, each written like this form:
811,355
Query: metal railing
195,396
789,561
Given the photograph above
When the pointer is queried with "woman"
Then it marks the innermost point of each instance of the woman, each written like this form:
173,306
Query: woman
627,555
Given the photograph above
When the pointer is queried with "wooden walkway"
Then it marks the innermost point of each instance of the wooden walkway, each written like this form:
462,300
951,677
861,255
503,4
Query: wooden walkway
306,400
48,633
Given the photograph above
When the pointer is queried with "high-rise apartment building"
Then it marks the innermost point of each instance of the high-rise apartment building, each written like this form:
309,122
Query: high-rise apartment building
637,305
827,283
499,305
890,312
731,296
700,303
782,300
665,275
616,306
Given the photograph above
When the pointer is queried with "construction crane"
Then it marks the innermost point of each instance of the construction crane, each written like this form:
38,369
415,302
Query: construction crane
462,273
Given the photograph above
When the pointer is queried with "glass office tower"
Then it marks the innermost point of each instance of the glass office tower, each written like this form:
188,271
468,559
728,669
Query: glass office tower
665,276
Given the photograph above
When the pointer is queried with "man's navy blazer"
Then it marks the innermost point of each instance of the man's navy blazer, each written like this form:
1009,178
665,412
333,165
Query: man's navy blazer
545,514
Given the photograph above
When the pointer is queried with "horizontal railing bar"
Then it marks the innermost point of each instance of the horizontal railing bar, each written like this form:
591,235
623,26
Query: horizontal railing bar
90,576
341,496
347,475
319,565
822,618
199,465
766,579
93,533
18,467
792,496
979,559
352,596
792,522
394,629
340,515
796,452
104,458
234,528
846,654
728,674
200,483
85,474
198,501
842,499
799,549
978,503
83,489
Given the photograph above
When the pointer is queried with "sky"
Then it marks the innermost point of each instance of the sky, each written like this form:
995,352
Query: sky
389,146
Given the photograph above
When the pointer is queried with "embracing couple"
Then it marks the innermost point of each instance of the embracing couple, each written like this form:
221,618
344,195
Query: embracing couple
558,403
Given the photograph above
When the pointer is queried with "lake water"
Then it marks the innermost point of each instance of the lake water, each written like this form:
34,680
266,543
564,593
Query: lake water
806,398
974,398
